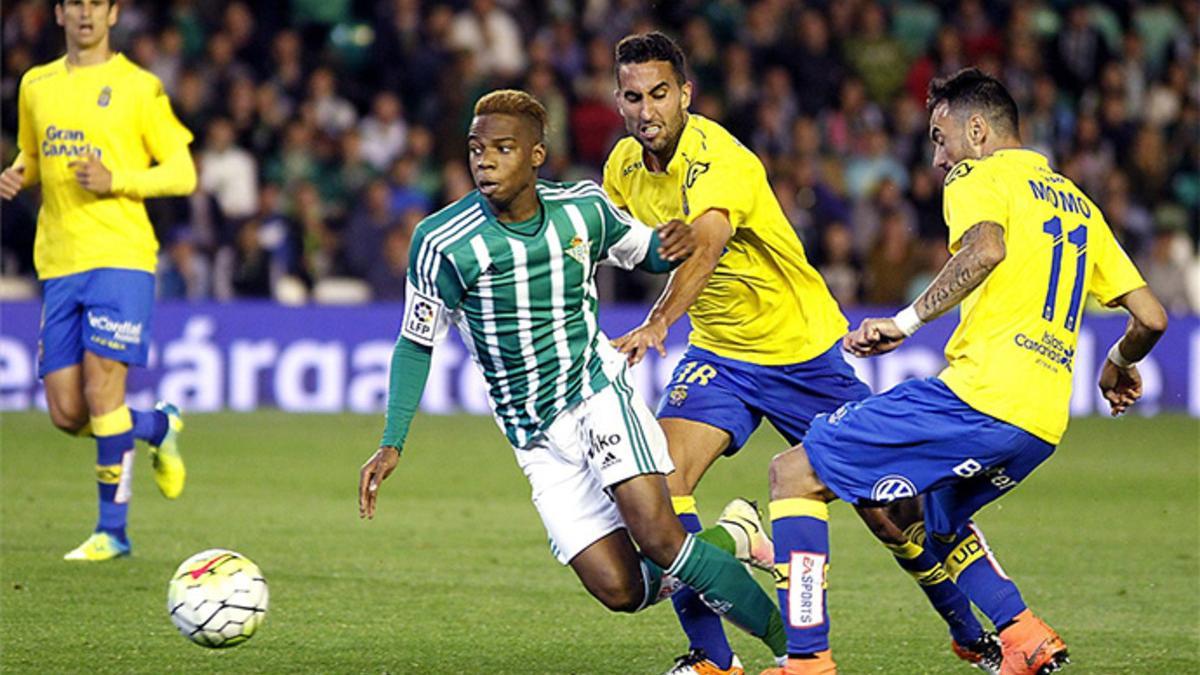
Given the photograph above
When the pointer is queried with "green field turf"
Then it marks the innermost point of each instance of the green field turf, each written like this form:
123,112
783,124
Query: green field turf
454,576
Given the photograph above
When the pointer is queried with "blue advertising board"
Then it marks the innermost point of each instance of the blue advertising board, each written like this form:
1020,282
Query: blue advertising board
243,356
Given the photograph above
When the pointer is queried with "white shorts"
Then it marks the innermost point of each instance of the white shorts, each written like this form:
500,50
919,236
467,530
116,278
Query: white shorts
602,441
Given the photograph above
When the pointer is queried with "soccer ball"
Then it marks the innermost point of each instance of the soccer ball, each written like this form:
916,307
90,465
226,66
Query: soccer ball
217,598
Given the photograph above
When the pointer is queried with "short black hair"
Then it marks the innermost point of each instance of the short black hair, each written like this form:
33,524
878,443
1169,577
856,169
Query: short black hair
653,46
971,89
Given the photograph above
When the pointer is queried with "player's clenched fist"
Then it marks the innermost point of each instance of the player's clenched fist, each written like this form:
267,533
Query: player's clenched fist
375,471
92,175
11,181
676,241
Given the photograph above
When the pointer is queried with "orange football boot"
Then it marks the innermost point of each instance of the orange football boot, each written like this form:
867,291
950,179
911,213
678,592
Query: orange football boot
821,664
1031,647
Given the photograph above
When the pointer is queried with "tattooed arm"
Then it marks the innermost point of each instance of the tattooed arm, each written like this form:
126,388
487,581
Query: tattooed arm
982,249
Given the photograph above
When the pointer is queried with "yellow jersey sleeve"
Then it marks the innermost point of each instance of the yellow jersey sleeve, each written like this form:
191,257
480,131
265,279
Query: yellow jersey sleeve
164,134
1113,273
26,138
972,195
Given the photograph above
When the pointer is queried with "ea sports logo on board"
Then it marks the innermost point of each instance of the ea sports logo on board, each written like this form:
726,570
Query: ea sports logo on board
892,487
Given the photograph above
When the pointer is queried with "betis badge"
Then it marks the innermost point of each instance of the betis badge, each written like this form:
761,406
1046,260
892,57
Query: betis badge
578,249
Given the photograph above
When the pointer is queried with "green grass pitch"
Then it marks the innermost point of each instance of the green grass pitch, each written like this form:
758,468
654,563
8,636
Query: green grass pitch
454,575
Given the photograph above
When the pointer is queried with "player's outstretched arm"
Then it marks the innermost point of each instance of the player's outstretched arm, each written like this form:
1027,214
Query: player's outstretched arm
1120,382
410,369
981,250
711,231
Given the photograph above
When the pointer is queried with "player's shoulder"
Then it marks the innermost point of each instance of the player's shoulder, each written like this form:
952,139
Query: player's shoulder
624,160
703,137
566,191
44,73
132,73
447,226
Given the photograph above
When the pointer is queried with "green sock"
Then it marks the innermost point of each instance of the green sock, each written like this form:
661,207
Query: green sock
728,589
719,537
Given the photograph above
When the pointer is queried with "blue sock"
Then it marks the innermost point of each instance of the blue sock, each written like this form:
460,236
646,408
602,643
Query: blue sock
947,598
801,531
969,561
113,481
702,626
149,425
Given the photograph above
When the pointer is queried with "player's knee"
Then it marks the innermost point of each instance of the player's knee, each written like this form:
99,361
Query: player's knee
793,476
617,593
659,544
68,421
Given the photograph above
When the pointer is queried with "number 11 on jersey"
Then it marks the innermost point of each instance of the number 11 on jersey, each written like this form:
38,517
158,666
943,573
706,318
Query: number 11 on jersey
1078,237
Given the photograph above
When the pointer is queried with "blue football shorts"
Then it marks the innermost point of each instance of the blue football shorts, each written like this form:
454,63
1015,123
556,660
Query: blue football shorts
735,395
920,438
105,311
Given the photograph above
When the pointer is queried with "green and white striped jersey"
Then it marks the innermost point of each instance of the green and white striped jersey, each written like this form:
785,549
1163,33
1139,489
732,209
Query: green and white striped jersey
525,305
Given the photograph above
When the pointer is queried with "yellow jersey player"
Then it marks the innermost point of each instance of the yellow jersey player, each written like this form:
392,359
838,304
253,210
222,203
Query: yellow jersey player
1027,244
766,331
97,132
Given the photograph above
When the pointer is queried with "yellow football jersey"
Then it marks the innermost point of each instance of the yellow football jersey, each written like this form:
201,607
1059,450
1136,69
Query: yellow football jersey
1013,352
115,109
765,303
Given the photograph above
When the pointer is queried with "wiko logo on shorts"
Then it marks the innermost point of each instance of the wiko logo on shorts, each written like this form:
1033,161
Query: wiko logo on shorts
121,331
892,487
806,597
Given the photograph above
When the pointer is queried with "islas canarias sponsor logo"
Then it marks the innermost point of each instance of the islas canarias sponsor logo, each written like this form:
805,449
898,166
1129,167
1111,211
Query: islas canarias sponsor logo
1053,350
121,331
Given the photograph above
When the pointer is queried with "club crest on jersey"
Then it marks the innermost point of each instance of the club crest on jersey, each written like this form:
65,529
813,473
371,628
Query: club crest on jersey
892,487
695,169
678,395
961,169
105,97
578,249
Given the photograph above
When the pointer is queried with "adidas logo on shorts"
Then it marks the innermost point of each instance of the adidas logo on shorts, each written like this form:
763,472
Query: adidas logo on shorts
609,460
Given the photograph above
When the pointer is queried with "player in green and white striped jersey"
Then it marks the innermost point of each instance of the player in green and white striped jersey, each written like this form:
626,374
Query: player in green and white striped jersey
512,265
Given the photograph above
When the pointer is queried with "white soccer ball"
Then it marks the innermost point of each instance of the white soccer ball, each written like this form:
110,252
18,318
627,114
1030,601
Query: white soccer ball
217,598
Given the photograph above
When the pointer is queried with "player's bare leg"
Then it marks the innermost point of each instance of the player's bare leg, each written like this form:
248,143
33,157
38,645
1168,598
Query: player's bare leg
694,446
721,580
970,641
800,525
112,425
64,397
611,570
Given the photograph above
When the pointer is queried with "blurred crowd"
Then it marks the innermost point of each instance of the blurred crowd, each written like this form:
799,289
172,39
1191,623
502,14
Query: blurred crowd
326,129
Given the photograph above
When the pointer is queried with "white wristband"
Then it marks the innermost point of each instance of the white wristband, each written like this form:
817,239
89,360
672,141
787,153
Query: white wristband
907,320
1118,359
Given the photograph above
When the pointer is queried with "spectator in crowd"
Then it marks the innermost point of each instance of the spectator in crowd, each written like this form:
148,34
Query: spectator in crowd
493,37
229,172
384,132
293,133
840,268
388,277
369,226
